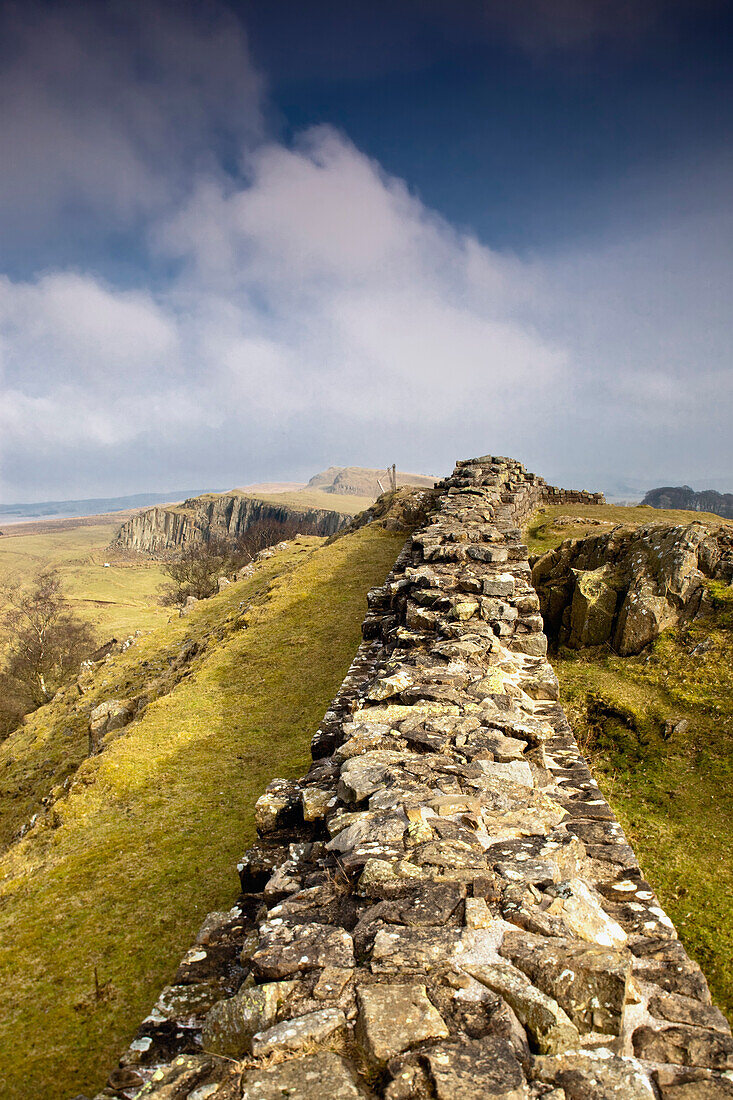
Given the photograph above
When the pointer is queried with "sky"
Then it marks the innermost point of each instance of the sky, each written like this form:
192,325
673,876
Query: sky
244,241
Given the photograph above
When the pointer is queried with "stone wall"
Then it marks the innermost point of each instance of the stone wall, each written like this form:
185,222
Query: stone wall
444,906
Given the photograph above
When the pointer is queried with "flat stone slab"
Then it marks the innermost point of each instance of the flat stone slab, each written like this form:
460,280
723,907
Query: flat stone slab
393,1018
478,1069
595,1075
285,951
398,948
322,1076
313,1028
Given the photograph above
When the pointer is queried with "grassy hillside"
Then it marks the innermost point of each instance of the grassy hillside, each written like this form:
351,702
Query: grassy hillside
119,600
121,872
673,792
552,525
314,498
297,498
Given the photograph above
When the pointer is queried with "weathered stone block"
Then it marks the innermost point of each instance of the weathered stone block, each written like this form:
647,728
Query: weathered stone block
393,1018
589,982
312,1029
595,1075
230,1025
476,1069
548,1025
284,951
322,1076
685,1046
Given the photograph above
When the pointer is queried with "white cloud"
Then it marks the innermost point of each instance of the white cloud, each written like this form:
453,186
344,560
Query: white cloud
320,293
309,309
71,326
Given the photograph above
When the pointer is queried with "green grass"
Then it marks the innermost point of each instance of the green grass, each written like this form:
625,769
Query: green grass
118,600
146,842
545,533
673,795
314,498
297,498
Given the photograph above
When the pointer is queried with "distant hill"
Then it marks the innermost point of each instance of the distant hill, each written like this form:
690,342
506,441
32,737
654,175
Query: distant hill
682,496
361,481
161,529
67,509
323,506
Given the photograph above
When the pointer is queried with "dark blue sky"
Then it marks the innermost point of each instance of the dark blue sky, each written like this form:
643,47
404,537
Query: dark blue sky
529,142
242,240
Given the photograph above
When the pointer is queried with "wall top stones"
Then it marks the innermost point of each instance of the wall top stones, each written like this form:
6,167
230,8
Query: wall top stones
444,906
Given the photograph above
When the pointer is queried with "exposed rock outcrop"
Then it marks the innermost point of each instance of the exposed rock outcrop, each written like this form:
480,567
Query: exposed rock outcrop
625,586
444,906
224,516
682,496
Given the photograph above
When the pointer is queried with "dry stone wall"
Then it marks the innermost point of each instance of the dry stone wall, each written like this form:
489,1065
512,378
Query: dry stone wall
444,906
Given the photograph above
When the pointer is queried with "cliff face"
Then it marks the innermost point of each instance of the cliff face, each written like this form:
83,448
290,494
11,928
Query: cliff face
626,586
682,496
225,516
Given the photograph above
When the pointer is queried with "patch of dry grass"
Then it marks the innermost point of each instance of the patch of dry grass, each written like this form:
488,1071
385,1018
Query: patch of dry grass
147,841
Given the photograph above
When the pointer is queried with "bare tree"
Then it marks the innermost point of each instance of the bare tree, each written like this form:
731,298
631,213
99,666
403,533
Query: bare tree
268,532
196,569
46,643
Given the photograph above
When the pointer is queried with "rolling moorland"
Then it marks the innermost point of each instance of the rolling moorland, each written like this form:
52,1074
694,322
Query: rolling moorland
227,697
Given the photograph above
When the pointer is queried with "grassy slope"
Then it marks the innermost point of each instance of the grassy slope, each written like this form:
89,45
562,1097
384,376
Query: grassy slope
301,499
674,797
118,600
150,834
314,498
544,534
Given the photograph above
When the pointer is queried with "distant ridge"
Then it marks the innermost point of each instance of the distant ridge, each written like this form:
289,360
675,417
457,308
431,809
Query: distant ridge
66,509
362,481
682,496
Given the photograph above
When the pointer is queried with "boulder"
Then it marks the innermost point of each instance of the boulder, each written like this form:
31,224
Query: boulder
642,618
111,715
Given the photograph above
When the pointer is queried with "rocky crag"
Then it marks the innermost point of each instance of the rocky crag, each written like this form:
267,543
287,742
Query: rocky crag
626,586
224,516
682,496
444,906
360,481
